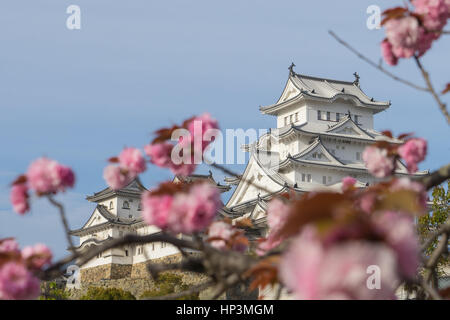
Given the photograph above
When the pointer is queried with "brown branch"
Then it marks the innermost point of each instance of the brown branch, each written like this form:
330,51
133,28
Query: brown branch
426,77
376,65
430,290
445,228
440,249
436,177
62,214
54,270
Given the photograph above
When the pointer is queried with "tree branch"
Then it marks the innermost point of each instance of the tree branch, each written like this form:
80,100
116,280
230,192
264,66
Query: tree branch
62,214
376,65
436,177
426,77
54,270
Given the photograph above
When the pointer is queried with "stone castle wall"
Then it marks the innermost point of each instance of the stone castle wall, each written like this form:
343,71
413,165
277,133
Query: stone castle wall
134,278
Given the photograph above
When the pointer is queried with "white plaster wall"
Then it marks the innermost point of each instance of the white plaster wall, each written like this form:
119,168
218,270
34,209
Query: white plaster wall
133,203
107,204
365,116
299,107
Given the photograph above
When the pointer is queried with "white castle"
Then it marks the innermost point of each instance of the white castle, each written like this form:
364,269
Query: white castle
322,128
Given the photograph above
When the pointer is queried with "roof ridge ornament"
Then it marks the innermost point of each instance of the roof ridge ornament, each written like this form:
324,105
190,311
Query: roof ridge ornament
291,69
356,81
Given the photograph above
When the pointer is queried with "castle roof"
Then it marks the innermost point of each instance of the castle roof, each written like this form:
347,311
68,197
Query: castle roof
303,87
133,189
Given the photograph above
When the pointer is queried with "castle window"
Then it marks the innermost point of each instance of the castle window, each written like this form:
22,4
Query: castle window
126,253
291,118
139,207
324,180
296,116
111,205
153,246
356,119
329,179
303,177
358,156
309,178
319,115
285,120
126,205
328,116
338,116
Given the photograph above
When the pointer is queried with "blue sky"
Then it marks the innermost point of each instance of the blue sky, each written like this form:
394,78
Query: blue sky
80,96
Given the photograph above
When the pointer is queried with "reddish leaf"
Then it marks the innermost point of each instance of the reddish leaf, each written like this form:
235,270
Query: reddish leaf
405,135
264,273
244,223
19,180
387,133
164,134
113,160
170,188
393,13
447,89
313,207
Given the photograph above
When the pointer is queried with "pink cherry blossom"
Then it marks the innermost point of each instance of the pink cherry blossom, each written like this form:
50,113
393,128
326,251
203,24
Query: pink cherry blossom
347,183
339,271
201,208
161,155
400,234
17,283
37,256
346,268
268,244
434,13
133,160
9,246
403,32
156,209
66,177
220,229
377,162
300,266
413,152
116,177
48,176
19,198
184,212
387,53
199,126
277,213
366,202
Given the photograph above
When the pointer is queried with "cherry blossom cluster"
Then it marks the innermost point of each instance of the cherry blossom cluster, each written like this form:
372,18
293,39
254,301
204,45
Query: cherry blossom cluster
190,146
44,176
129,164
180,207
224,236
381,160
17,268
330,257
411,32
277,213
